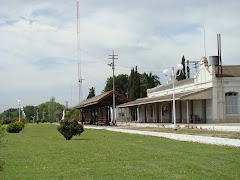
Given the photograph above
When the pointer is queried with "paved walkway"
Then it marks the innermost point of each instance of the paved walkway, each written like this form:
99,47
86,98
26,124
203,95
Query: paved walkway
180,137
215,127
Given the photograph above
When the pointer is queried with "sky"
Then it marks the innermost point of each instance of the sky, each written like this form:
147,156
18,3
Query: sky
39,52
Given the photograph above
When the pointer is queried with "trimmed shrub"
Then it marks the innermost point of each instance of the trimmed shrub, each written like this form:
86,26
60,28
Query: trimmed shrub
15,127
69,128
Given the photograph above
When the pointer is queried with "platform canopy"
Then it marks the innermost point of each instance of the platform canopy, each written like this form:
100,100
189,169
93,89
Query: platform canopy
205,93
102,100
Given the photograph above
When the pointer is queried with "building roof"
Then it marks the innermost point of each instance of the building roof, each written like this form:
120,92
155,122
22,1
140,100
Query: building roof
229,71
169,86
102,100
195,94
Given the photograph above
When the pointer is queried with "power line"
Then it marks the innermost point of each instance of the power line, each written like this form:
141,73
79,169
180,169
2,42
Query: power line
102,59
94,79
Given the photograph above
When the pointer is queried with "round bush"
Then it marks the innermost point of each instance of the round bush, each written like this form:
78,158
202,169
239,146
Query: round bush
69,128
15,127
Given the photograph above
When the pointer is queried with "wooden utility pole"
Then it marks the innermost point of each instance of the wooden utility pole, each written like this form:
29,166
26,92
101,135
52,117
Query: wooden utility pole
113,57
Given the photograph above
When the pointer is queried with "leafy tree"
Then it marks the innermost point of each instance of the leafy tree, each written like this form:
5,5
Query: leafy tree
121,84
143,85
72,114
10,115
148,81
182,75
30,111
109,84
91,92
52,110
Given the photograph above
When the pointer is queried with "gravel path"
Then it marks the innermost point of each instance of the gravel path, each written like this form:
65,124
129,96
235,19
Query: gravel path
180,137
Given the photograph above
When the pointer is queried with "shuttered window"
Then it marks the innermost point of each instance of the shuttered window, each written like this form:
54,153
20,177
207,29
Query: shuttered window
231,102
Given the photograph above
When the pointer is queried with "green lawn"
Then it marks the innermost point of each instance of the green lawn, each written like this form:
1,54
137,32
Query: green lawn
41,152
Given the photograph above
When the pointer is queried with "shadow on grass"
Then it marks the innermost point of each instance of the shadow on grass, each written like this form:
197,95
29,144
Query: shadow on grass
81,139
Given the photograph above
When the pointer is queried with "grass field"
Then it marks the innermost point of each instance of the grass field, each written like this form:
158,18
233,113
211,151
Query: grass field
41,152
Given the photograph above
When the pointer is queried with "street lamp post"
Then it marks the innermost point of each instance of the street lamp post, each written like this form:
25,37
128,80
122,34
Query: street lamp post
19,103
166,72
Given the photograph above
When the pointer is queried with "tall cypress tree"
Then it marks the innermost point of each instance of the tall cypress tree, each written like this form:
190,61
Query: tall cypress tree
182,75
91,92
130,85
134,85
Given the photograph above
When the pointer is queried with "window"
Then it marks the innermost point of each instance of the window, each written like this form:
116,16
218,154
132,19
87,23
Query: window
164,110
121,114
231,102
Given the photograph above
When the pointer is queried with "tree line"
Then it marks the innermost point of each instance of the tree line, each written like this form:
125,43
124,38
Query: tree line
50,111
135,85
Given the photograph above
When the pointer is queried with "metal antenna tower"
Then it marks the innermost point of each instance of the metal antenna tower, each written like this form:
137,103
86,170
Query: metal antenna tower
79,53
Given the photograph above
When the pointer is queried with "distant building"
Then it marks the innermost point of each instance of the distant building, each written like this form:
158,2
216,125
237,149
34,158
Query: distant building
209,97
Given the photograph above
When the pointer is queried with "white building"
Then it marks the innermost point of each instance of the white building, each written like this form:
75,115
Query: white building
212,96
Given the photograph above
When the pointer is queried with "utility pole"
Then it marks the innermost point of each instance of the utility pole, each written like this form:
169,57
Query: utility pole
113,57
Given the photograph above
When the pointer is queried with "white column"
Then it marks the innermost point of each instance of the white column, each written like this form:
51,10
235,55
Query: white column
125,114
130,116
187,111
121,116
153,113
146,113
138,114
161,113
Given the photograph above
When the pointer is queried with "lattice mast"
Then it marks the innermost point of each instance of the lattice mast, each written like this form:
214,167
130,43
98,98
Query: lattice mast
79,53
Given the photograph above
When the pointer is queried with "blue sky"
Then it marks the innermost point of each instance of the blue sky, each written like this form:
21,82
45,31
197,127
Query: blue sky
38,49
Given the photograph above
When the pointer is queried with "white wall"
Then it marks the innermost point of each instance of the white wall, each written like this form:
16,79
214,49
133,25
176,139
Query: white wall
209,110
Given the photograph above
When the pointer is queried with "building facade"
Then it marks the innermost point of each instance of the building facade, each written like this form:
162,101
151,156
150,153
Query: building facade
211,96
